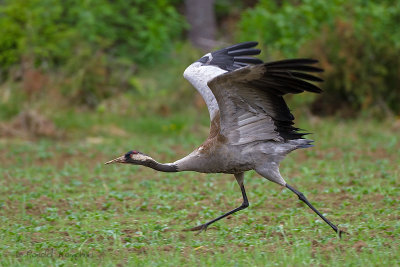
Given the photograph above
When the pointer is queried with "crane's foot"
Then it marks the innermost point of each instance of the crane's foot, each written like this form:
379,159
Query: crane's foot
199,228
340,232
304,199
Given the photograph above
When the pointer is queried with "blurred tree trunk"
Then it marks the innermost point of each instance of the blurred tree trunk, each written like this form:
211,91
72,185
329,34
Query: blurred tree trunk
203,27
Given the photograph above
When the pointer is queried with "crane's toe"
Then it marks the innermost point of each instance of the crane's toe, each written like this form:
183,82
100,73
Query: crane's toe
199,228
340,232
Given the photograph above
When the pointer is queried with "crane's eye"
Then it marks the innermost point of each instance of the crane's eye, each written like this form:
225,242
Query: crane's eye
131,153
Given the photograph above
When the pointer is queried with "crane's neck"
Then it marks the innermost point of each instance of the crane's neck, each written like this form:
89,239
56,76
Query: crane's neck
162,167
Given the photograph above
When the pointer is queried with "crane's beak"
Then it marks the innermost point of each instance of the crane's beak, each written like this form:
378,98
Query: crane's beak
117,160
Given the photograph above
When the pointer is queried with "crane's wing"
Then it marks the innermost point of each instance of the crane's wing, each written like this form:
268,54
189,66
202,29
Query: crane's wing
236,56
251,104
223,60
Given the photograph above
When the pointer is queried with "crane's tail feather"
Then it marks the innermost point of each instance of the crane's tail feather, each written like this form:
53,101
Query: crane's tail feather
302,143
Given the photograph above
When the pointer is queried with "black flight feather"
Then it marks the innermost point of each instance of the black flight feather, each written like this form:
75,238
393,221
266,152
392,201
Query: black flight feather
244,52
251,60
236,56
283,77
242,45
305,76
296,83
297,67
296,61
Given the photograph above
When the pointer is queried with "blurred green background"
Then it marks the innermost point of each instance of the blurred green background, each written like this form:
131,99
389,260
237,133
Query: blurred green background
85,54
84,81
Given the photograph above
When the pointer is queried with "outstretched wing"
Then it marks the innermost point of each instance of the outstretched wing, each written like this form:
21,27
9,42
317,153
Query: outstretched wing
219,62
251,104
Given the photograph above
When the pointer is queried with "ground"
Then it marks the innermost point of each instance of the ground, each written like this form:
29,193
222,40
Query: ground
59,205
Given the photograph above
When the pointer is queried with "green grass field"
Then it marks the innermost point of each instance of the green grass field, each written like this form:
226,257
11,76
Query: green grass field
60,206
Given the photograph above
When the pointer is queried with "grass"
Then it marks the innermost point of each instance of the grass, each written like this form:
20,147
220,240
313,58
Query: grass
59,205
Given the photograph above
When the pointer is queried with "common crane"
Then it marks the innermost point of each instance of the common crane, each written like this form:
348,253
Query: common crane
251,125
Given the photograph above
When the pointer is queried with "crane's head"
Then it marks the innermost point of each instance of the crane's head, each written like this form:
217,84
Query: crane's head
132,157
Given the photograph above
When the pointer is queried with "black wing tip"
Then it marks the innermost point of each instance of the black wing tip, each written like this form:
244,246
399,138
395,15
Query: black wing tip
296,61
242,45
292,75
251,60
236,56
300,64
245,51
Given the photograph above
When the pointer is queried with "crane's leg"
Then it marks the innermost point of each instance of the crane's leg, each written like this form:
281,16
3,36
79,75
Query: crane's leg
304,199
240,179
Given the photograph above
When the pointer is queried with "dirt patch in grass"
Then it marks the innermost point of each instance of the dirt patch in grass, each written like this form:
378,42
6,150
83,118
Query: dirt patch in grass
29,125
358,246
